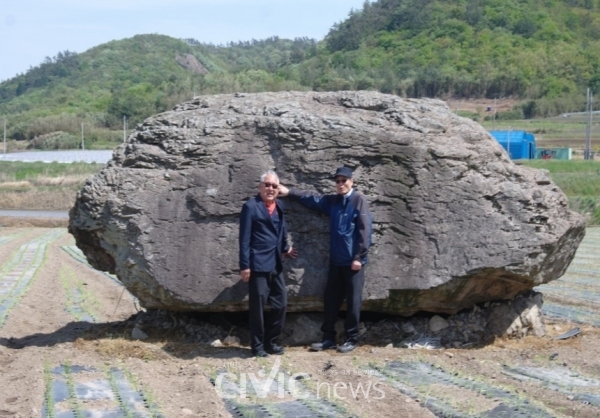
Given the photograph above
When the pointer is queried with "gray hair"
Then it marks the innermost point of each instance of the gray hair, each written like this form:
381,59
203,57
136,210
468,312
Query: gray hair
269,173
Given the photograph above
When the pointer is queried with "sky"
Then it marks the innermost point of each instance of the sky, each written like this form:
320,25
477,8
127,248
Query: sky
31,30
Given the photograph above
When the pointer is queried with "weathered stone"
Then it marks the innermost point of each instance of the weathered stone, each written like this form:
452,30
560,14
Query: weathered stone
138,334
408,328
517,318
189,62
437,323
231,340
455,221
216,343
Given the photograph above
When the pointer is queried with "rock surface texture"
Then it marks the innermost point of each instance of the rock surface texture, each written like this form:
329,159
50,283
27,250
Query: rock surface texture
455,221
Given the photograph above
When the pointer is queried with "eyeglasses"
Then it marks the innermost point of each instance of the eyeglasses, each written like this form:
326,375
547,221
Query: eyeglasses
340,181
271,185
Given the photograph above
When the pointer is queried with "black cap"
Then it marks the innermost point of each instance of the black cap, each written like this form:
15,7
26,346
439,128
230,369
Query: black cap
344,172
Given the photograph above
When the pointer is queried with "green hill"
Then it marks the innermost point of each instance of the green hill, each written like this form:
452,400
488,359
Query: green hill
136,77
472,48
543,52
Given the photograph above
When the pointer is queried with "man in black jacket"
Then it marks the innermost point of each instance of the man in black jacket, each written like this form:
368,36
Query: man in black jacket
350,238
263,242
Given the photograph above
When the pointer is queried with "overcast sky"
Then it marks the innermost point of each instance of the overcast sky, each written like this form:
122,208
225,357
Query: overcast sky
31,30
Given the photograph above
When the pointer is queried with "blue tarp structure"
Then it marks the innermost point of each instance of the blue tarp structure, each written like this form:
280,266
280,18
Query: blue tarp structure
518,144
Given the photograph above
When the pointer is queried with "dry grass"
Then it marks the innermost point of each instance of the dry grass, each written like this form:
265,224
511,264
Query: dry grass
11,185
42,186
122,348
38,199
64,181
12,222
547,342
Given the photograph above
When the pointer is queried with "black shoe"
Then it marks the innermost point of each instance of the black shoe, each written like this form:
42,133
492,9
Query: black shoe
260,353
323,345
348,346
275,349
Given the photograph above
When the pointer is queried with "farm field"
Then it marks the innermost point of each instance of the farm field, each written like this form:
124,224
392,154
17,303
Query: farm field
42,186
556,132
66,350
552,132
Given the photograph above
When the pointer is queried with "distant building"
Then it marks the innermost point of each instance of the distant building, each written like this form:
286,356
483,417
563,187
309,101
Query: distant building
519,144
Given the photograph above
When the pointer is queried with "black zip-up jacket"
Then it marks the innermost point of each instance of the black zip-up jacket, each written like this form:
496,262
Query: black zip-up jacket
350,223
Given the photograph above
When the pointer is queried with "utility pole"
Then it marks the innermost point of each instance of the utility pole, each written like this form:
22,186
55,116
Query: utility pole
4,135
587,154
82,142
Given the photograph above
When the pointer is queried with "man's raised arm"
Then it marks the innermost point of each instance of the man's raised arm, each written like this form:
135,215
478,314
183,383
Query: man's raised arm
312,201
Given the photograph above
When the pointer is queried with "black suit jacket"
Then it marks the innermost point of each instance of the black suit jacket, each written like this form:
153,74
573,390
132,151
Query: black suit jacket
261,245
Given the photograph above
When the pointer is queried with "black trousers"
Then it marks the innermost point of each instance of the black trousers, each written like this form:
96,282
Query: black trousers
265,327
343,283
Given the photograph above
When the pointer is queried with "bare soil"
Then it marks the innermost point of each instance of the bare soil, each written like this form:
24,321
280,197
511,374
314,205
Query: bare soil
177,377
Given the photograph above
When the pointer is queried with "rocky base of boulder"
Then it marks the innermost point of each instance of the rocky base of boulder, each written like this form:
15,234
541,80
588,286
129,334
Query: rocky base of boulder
516,318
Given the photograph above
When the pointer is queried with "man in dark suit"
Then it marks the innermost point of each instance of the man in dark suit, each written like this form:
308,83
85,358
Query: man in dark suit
349,240
263,244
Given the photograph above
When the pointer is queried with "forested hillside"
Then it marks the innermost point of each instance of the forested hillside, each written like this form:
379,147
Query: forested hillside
136,77
545,52
471,48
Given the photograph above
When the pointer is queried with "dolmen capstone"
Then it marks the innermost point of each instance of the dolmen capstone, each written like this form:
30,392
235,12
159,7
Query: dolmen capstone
455,221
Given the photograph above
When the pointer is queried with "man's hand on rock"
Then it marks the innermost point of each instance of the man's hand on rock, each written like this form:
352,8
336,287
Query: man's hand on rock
292,253
356,265
283,191
245,275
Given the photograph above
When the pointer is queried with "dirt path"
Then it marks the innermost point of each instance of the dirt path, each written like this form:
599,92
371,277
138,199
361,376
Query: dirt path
66,350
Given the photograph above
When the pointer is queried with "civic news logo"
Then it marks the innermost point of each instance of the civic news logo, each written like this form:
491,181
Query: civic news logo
234,383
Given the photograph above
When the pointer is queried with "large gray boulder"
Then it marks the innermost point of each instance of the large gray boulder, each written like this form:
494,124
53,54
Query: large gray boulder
455,221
